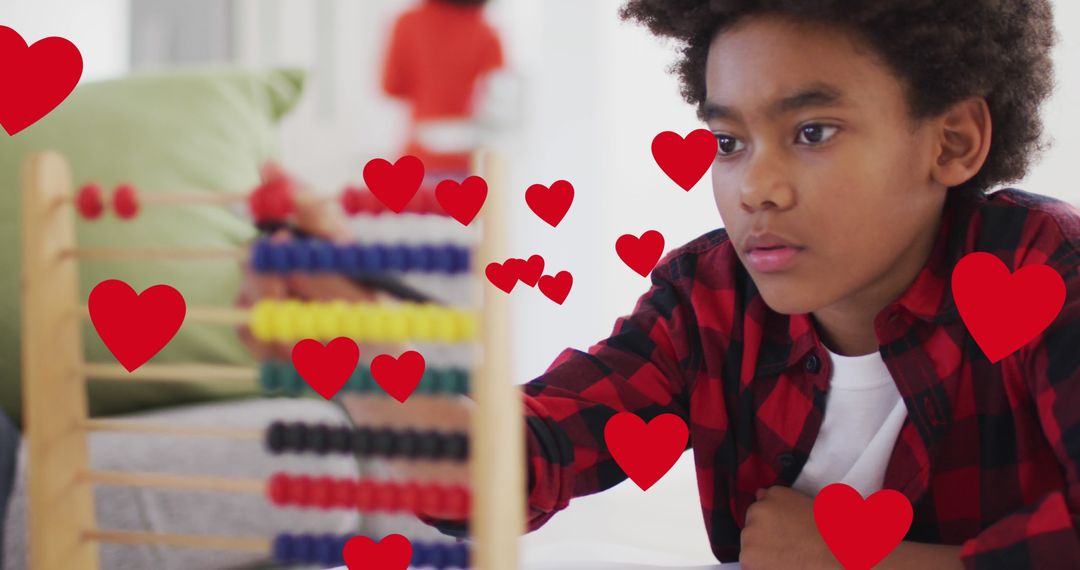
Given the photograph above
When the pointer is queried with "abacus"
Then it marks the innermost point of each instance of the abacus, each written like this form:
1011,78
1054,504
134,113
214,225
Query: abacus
63,531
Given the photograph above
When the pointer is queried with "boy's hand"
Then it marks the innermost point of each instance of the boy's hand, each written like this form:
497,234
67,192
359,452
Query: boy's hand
780,533
319,218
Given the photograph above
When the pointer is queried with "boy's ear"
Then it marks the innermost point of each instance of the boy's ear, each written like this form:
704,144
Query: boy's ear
965,132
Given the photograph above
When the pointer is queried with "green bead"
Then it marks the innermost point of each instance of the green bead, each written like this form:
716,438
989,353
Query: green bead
461,381
269,379
294,384
367,381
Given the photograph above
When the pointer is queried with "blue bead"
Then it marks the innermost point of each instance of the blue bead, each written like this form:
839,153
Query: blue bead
324,255
461,260
283,548
349,258
339,548
305,549
304,253
459,555
324,549
260,256
425,258
279,257
396,258
437,555
442,258
419,554
374,257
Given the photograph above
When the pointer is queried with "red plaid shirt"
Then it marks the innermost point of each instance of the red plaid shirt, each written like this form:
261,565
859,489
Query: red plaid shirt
989,455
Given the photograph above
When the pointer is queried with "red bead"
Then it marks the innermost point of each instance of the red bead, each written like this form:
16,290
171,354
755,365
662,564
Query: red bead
365,495
457,501
321,489
278,488
431,499
272,201
344,493
428,203
125,201
386,500
352,200
89,201
374,205
409,496
301,491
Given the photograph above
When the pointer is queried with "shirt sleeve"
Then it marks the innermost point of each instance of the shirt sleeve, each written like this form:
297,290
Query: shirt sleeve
491,56
639,368
1045,533
397,65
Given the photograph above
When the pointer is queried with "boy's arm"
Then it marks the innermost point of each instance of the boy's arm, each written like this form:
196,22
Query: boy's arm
1044,534
637,369
397,65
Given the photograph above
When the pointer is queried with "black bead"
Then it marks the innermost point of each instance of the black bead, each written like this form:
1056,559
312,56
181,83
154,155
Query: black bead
362,441
295,436
340,439
319,438
383,442
408,443
429,444
275,437
457,446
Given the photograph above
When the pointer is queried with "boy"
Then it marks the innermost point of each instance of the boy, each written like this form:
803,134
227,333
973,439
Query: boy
855,141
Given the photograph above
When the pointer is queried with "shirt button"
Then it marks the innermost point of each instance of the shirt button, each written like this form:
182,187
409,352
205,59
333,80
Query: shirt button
893,317
786,459
813,364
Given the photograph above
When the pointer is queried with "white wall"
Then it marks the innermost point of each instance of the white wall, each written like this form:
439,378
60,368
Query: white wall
99,29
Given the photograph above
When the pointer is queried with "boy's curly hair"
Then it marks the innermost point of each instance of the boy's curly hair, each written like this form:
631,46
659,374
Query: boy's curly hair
942,50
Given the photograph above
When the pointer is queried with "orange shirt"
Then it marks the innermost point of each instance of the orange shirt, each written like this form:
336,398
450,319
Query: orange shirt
437,52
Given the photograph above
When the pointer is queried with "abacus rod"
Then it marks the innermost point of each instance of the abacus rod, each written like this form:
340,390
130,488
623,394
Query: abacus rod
169,481
171,372
165,429
254,544
204,315
240,254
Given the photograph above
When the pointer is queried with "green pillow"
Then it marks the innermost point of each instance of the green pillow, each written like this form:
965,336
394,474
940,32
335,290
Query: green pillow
189,130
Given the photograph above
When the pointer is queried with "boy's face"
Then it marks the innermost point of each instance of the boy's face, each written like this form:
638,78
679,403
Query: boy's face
849,182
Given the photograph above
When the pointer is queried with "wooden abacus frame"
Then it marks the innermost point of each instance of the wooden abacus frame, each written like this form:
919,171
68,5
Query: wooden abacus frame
63,531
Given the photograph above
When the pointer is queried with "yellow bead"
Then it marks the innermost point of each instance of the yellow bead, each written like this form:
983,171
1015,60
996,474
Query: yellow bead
285,315
304,323
328,319
376,322
422,325
466,321
261,324
352,322
397,324
443,324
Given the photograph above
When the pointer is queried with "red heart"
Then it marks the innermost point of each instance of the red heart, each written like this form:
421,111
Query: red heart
1033,297
326,368
640,254
36,78
394,184
503,275
646,452
861,533
398,376
462,201
529,272
393,552
685,161
135,326
550,204
558,287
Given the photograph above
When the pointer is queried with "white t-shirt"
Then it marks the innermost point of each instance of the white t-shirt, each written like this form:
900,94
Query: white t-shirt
863,416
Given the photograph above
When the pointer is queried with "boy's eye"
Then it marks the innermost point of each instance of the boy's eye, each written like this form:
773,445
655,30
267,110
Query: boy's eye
812,131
